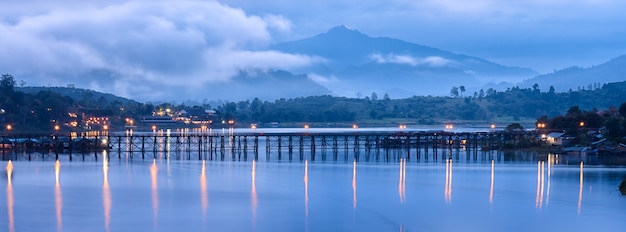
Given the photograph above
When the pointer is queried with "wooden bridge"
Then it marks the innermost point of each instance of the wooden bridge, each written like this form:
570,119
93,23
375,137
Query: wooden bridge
209,146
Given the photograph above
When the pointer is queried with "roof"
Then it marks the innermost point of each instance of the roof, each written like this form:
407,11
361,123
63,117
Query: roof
555,134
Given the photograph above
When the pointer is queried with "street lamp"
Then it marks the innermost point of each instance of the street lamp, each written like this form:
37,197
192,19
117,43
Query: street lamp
9,127
57,127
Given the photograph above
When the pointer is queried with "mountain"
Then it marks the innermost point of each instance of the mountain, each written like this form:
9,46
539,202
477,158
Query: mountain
78,94
265,85
613,70
357,63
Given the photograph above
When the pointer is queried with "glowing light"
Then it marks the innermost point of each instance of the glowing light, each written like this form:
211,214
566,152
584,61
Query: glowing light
9,127
253,126
493,126
402,126
306,126
581,124
105,127
57,127
355,126
449,126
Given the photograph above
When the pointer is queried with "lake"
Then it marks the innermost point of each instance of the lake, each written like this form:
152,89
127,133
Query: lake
451,190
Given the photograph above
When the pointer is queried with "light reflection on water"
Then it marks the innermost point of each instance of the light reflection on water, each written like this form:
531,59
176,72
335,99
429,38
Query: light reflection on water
10,200
58,196
106,194
154,171
267,196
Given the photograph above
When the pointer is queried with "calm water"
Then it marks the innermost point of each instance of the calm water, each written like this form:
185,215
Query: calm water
461,192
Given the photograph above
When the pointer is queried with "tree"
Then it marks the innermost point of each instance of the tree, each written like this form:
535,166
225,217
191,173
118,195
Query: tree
514,127
374,96
462,89
386,97
7,82
551,91
454,92
535,87
622,109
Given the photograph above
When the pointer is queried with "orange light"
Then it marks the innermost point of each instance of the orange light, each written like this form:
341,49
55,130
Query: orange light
56,127
355,126
581,124
493,126
9,127
105,127
402,126
306,126
253,126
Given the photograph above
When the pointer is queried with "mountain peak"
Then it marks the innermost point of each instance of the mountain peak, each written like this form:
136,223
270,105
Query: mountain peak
343,30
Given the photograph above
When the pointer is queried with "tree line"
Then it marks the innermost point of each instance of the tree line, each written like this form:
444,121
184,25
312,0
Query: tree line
40,110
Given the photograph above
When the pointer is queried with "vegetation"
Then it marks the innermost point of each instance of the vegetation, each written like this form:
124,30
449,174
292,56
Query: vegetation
578,123
39,109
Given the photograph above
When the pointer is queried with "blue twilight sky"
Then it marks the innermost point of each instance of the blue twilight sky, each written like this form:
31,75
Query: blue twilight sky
187,43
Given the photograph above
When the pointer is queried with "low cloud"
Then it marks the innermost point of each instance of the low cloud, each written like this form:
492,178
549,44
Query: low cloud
138,48
432,61
322,80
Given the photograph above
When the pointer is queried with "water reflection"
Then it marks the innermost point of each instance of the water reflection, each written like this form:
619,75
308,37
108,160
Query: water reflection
402,181
306,187
106,193
448,188
10,200
58,197
154,187
253,196
580,189
204,195
492,180
354,184
540,184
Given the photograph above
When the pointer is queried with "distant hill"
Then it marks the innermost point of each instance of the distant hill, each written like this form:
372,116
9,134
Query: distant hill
266,85
78,94
613,70
355,62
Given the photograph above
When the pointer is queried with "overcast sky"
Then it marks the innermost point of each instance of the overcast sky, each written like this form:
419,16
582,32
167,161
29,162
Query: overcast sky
188,43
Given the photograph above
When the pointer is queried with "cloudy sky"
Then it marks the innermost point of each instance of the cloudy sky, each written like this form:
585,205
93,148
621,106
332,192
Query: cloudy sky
135,47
